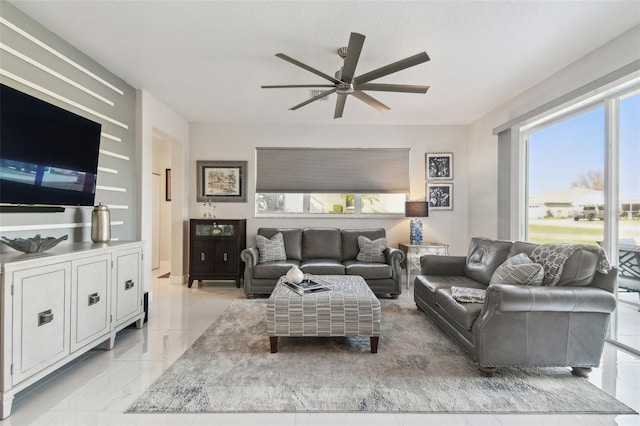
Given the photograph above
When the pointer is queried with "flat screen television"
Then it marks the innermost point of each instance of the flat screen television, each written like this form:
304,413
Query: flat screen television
48,155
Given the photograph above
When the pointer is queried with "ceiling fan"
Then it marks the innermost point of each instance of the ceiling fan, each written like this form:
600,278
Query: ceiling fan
346,83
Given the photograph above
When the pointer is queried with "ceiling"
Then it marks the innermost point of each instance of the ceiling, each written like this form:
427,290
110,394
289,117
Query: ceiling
207,59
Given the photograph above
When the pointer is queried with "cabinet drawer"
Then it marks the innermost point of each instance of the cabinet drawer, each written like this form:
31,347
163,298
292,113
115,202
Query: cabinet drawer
202,256
128,285
226,257
41,318
90,300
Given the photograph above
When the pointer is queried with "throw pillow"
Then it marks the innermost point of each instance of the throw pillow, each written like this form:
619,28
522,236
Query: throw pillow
271,249
371,251
468,295
518,269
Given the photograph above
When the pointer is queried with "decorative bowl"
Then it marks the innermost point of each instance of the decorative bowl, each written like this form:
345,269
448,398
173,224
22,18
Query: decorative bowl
36,244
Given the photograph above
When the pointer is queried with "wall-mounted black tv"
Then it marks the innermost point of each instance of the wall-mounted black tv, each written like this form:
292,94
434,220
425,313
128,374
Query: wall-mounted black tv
48,155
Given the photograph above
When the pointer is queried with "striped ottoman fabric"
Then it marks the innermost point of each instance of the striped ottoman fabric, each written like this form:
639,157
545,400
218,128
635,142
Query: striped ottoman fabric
349,309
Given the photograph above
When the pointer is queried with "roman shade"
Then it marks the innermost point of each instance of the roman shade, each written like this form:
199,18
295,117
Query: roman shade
332,170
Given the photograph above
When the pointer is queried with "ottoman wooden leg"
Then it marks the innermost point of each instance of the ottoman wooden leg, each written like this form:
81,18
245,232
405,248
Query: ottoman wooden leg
374,344
274,344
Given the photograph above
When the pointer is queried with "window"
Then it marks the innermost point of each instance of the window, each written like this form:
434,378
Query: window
333,205
333,182
582,182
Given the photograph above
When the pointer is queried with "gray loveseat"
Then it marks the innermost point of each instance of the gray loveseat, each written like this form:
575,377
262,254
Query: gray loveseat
520,325
323,251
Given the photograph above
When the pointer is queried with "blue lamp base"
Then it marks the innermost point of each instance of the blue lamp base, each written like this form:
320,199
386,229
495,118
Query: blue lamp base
415,231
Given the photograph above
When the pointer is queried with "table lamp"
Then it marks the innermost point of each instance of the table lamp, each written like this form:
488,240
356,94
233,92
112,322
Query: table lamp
416,210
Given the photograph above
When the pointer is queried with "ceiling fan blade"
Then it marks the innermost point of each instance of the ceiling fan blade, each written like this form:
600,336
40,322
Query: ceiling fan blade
391,68
408,88
370,101
308,68
315,98
286,86
342,98
353,54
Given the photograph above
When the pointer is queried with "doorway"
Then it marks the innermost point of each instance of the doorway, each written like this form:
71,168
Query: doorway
161,211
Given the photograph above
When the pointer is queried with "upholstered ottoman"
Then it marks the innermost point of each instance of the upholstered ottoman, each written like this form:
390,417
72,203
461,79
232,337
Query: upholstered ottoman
349,309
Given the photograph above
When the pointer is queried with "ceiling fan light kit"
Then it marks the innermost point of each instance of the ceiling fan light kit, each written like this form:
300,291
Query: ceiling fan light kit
346,83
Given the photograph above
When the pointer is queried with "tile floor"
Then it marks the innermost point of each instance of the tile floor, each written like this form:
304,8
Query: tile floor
100,386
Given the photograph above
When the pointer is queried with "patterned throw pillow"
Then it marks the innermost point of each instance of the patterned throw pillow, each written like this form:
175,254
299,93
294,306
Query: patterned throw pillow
468,295
271,249
518,269
371,251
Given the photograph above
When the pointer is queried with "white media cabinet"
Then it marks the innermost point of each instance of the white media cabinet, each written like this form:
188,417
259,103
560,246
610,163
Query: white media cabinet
59,304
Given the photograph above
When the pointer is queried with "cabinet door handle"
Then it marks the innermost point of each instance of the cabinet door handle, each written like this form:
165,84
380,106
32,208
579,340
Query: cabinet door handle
224,257
45,317
94,298
202,256
128,284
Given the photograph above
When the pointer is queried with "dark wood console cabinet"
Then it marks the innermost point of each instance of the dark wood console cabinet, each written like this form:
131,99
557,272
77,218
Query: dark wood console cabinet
214,247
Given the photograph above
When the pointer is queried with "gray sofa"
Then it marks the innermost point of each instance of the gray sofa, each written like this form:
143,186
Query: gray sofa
323,251
520,325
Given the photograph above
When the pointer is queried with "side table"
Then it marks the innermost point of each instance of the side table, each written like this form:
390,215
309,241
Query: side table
413,252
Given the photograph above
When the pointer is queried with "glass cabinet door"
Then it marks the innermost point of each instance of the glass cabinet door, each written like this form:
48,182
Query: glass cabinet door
215,230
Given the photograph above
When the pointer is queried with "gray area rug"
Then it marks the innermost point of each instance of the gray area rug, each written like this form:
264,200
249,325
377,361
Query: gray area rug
417,369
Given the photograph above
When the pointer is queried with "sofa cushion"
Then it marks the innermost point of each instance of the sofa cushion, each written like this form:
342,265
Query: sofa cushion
321,243
433,283
292,240
322,267
368,270
371,251
273,270
350,247
518,269
521,247
465,314
484,257
271,249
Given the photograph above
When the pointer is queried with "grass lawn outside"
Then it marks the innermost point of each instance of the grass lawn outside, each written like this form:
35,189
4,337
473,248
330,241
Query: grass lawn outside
583,232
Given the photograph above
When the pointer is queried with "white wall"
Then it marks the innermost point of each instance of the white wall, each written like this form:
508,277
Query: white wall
482,158
237,142
156,117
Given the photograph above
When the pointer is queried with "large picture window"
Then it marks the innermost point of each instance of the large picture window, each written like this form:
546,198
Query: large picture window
331,182
581,182
331,205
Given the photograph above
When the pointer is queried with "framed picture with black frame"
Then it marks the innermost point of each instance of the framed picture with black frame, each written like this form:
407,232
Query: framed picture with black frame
439,166
221,181
167,185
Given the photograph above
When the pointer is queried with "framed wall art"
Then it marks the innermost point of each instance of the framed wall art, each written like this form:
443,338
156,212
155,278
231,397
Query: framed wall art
167,184
440,196
222,181
439,166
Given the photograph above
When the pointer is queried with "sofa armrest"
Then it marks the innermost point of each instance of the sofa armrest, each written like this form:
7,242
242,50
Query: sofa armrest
442,265
250,256
526,298
395,257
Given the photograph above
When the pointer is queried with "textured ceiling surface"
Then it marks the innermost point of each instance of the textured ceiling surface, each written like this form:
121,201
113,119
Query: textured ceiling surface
207,59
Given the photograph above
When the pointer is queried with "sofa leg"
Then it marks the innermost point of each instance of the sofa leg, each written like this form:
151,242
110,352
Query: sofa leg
486,371
395,296
581,371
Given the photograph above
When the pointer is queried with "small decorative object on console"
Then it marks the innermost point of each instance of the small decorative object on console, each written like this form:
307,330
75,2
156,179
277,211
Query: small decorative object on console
100,224
33,245
307,285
